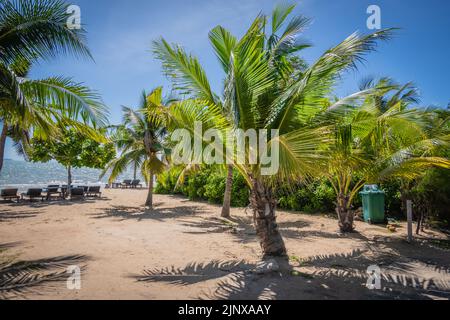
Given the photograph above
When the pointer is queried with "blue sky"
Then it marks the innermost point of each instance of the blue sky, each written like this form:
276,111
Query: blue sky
120,35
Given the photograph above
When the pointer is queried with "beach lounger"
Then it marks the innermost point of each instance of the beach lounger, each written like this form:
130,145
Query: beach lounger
53,190
64,191
125,184
93,191
136,183
85,188
9,194
77,193
33,194
116,185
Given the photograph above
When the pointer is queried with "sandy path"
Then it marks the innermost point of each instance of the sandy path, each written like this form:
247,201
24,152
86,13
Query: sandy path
121,240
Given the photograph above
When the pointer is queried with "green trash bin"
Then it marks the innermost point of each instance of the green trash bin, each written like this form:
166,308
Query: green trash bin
373,204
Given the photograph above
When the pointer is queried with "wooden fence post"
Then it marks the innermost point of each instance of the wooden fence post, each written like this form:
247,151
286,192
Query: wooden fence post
410,218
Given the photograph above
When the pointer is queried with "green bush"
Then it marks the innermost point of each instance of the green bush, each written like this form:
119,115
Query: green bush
208,184
393,202
314,197
195,184
215,187
432,196
240,192
205,184
167,181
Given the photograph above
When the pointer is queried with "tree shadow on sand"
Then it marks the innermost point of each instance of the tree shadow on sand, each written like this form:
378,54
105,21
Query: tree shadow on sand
37,204
240,228
334,276
33,276
193,272
122,213
9,215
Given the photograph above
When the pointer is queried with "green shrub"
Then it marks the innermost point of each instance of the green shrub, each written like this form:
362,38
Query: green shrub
392,200
167,181
431,195
195,184
314,197
215,187
240,192
208,183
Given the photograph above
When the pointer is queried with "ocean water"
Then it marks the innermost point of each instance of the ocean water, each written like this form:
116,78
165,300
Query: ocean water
24,175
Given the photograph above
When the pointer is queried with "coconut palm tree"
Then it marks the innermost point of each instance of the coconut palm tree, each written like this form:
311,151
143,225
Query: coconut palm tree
281,47
37,28
50,104
383,138
140,140
32,30
264,91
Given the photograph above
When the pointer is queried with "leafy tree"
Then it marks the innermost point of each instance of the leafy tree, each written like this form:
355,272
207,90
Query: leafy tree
73,150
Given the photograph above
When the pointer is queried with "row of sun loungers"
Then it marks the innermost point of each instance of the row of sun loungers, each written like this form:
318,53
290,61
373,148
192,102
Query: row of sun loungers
52,191
125,184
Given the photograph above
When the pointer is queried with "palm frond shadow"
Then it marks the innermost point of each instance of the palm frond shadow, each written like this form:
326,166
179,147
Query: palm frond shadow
334,259
193,272
139,213
8,215
20,277
9,245
38,204
298,224
393,267
334,276
241,229
335,282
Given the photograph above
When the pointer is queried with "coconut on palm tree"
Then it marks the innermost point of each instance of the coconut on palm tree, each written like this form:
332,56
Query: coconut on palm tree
265,90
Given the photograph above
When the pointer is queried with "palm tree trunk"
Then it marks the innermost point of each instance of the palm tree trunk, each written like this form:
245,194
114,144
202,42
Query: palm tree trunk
149,202
263,204
345,214
227,195
3,143
135,171
69,180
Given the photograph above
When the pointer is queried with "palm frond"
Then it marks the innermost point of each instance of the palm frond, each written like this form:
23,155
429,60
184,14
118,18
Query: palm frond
412,168
184,69
70,98
18,277
223,43
38,28
319,79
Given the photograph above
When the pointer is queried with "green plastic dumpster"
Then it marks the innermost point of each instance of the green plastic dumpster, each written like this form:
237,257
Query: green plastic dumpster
373,204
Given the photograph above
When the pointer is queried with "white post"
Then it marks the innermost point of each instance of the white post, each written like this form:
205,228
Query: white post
409,215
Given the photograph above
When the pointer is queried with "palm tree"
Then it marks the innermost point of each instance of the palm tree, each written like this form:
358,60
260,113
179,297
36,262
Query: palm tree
382,138
32,30
49,104
263,90
227,195
140,140
222,42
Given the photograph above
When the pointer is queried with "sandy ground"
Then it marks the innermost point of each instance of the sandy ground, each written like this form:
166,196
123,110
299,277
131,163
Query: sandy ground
181,250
